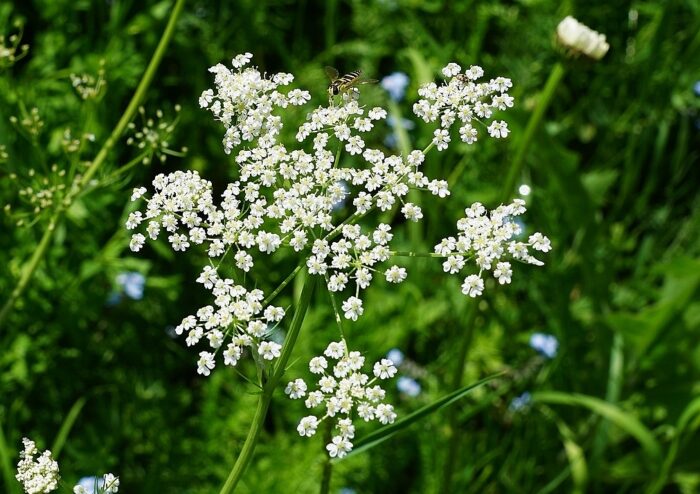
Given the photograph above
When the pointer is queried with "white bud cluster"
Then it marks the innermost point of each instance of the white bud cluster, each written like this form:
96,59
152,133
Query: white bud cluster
343,390
581,39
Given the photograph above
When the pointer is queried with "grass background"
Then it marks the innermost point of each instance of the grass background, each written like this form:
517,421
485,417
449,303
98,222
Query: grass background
614,175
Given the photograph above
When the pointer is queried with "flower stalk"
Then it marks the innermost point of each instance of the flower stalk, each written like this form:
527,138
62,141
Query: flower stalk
268,388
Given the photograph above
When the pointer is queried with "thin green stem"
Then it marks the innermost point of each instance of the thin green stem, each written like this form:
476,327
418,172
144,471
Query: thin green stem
82,183
31,266
139,95
336,312
533,124
284,283
246,454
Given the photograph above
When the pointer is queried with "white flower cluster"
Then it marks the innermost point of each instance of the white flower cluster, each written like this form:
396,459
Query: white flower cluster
108,484
342,389
463,98
287,198
245,100
487,238
37,475
238,317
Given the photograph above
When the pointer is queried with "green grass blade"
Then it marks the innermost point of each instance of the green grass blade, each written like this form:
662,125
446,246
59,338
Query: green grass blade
11,487
66,427
621,419
379,436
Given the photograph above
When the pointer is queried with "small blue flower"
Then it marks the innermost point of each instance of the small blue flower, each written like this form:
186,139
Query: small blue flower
89,483
347,490
408,386
396,356
395,84
520,402
132,284
405,123
546,344
390,141
696,88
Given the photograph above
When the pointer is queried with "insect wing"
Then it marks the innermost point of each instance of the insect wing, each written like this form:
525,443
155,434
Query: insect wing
332,73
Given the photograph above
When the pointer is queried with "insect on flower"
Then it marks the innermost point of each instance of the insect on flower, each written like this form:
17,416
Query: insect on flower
343,84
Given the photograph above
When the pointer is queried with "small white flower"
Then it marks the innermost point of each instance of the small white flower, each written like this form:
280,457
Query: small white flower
318,365
137,242
503,272
273,314
205,363
241,60
269,350
340,446
540,242
498,129
377,113
335,349
385,413
296,389
473,286
352,308
307,426
441,139
138,193
451,70
384,369
395,274
111,484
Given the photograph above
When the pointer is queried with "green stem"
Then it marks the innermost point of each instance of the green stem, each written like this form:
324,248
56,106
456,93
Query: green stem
284,283
336,312
246,454
136,100
533,124
31,266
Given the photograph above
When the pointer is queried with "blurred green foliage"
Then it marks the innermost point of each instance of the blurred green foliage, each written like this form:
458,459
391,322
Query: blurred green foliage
614,176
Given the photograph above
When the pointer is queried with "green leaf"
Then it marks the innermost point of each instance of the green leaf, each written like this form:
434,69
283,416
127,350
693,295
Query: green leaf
379,436
620,418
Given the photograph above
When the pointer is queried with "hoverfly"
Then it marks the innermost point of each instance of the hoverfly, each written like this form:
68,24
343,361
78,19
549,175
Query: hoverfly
343,84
